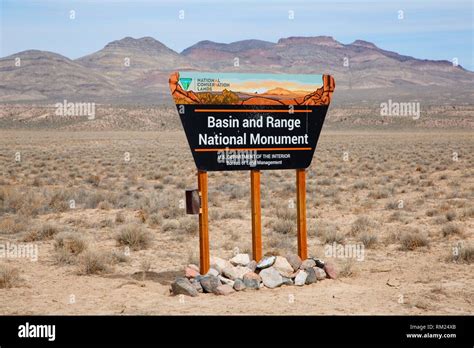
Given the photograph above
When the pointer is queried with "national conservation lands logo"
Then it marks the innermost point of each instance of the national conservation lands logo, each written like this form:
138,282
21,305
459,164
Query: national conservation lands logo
185,82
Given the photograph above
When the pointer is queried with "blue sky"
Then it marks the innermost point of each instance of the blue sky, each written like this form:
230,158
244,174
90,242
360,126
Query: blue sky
430,29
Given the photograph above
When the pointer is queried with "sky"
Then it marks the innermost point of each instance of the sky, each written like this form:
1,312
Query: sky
441,30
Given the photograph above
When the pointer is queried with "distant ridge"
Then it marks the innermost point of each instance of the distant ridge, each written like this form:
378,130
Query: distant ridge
133,70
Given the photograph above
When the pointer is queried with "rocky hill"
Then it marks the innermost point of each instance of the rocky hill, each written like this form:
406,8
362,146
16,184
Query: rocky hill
136,71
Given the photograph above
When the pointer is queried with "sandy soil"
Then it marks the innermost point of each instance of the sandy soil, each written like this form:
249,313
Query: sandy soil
381,168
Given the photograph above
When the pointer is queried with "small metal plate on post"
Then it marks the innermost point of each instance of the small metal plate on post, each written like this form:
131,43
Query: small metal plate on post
193,201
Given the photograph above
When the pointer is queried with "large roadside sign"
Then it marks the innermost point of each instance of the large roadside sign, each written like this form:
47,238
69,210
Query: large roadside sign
240,121
250,122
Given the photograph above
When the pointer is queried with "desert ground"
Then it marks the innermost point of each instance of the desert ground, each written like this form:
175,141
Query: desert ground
105,210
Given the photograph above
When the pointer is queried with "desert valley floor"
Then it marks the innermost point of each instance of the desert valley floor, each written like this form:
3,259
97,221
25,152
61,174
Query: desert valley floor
407,196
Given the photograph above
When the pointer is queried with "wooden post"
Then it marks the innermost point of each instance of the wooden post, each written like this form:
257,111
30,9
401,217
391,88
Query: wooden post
204,257
301,210
256,215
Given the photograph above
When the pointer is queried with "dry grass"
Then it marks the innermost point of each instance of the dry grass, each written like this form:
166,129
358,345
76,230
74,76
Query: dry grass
9,276
94,262
348,202
369,239
463,254
281,226
135,236
413,239
450,229
45,232
361,224
68,245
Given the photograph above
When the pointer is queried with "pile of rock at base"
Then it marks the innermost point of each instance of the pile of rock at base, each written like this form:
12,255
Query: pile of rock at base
241,273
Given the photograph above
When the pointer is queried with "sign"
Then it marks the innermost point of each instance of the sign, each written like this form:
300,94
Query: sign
240,121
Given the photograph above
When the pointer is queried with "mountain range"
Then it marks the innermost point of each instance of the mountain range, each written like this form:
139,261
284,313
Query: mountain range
136,71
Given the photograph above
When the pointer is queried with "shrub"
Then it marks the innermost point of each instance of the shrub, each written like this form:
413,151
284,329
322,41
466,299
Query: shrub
93,262
155,220
10,225
170,225
135,236
411,240
360,184
465,254
68,245
361,224
329,234
284,226
119,217
189,225
369,239
46,232
450,229
9,276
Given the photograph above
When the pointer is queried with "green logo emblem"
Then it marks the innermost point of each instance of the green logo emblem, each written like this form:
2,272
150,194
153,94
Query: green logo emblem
185,82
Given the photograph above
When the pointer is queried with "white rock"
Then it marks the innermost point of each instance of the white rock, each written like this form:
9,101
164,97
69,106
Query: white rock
283,266
320,273
271,278
266,262
219,264
212,271
240,260
300,278
235,272
227,281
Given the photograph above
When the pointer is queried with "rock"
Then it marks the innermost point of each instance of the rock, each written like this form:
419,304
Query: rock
294,260
287,281
319,263
252,280
271,278
224,289
266,262
320,273
283,266
240,260
224,280
311,278
308,263
219,264
252,265
330,270
239,285
195,267
235,272
191,272
182,286
210,283
197,285
300,278
213,272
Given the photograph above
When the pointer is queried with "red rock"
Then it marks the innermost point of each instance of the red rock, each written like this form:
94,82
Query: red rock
224,290
330,270
190,272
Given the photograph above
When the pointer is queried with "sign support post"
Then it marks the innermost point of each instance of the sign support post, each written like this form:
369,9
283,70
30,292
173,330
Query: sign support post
301,213
256,215
204,256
